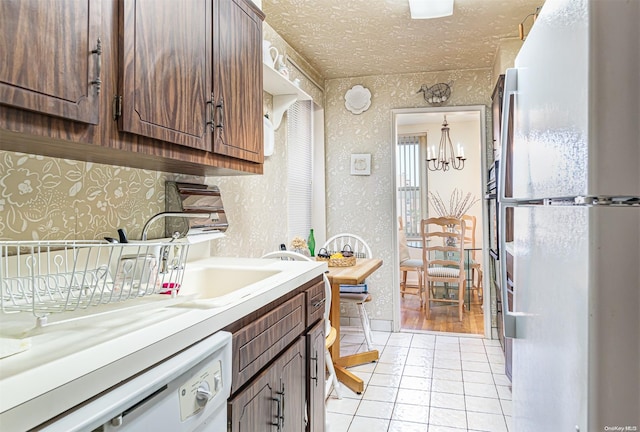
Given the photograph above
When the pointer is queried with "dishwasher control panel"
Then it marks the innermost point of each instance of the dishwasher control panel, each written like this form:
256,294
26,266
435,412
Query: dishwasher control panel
203,386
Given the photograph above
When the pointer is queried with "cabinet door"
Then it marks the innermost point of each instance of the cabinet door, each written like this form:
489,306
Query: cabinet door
255,409
292,388
258,343
274,401
238,81
50,57
316,377
165,70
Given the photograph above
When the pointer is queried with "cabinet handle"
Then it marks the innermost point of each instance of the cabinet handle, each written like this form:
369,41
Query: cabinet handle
98,52
315,359
319,303
282,396
220,110
277,401
210,114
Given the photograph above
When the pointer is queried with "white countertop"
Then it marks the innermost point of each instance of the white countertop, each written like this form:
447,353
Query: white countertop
71,362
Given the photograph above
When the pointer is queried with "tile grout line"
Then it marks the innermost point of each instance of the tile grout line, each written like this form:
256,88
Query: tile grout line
409,345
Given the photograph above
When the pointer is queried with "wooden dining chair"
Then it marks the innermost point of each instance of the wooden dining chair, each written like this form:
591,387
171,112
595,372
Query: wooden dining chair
473,265
443,261
329,330
407,264
360,249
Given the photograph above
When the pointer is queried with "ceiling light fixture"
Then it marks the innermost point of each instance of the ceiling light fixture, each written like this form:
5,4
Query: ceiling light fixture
426,9
445,158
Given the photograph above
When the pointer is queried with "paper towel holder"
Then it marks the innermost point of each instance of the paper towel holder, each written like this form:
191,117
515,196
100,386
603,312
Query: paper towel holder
194,198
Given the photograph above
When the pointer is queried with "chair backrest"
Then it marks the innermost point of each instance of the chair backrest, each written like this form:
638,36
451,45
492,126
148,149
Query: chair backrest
470,232
337,243
437,251
295,256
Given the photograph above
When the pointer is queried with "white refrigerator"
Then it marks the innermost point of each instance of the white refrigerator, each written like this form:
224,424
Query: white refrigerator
574,143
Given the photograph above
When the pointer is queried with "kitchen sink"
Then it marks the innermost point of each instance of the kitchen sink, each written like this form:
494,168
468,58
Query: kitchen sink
222,285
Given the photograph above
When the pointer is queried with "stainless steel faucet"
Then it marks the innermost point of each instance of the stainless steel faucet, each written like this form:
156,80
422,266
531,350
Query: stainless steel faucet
171,214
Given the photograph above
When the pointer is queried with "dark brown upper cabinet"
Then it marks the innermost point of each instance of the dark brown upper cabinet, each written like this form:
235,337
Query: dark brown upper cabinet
238,80
51,57
165,70
191,74
164,102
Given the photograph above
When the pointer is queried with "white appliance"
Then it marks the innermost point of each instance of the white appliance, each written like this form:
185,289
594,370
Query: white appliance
575,149
186,393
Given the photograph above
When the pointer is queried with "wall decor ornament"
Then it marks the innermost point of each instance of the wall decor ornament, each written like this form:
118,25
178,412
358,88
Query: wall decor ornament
361,164
357,99
437,94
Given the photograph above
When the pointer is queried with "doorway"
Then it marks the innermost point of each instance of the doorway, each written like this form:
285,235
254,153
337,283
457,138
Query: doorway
417,133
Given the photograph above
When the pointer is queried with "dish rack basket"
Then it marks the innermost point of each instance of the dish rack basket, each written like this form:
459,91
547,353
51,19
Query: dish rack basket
45,277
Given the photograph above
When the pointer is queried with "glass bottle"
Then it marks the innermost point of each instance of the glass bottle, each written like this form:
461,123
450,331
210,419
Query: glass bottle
311,243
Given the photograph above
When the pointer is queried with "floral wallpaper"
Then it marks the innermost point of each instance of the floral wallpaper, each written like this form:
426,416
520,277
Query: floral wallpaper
364,204
43,198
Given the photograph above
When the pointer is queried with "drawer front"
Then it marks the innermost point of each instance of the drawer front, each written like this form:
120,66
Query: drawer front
256,344
315,303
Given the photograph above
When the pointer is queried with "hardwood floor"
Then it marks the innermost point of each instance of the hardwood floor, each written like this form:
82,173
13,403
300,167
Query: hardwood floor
444,317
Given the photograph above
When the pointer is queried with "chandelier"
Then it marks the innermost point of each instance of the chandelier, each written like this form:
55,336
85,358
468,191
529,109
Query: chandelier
444,158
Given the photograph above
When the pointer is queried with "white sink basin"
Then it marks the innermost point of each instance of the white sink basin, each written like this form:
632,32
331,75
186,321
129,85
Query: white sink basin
222,285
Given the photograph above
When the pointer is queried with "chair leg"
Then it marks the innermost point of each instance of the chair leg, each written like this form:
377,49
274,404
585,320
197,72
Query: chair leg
428,305
332,379
420,288
461,293
480,292
366,326
403,284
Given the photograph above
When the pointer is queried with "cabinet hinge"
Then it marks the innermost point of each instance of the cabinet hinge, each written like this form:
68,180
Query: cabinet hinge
117,107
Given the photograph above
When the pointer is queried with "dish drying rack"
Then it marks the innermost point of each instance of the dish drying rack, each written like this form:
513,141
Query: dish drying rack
47,277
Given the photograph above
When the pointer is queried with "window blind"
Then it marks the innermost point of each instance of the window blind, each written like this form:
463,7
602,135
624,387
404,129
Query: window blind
411,182
299,168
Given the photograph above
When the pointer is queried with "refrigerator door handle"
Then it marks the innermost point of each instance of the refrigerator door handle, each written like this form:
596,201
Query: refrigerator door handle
510,88
508,317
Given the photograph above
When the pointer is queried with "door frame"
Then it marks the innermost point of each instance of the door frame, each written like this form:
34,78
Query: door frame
481,109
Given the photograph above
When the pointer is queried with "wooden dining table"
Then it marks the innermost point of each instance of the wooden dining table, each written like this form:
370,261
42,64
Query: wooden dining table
352,275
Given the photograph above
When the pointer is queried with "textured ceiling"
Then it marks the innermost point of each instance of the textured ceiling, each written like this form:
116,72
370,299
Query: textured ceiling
350,38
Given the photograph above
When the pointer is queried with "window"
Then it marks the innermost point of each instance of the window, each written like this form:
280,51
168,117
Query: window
299,168
411,181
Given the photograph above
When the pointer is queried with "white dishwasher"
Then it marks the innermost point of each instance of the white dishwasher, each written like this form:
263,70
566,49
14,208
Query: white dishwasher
187,392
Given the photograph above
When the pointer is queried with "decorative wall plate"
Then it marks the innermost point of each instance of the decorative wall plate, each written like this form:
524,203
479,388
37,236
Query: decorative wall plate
357,99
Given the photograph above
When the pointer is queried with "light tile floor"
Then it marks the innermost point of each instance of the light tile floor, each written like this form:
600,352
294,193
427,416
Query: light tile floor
425,383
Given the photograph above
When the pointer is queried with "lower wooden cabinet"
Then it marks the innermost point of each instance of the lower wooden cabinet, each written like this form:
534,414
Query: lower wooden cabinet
292,388
278,365
274,401
316,377
260,341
